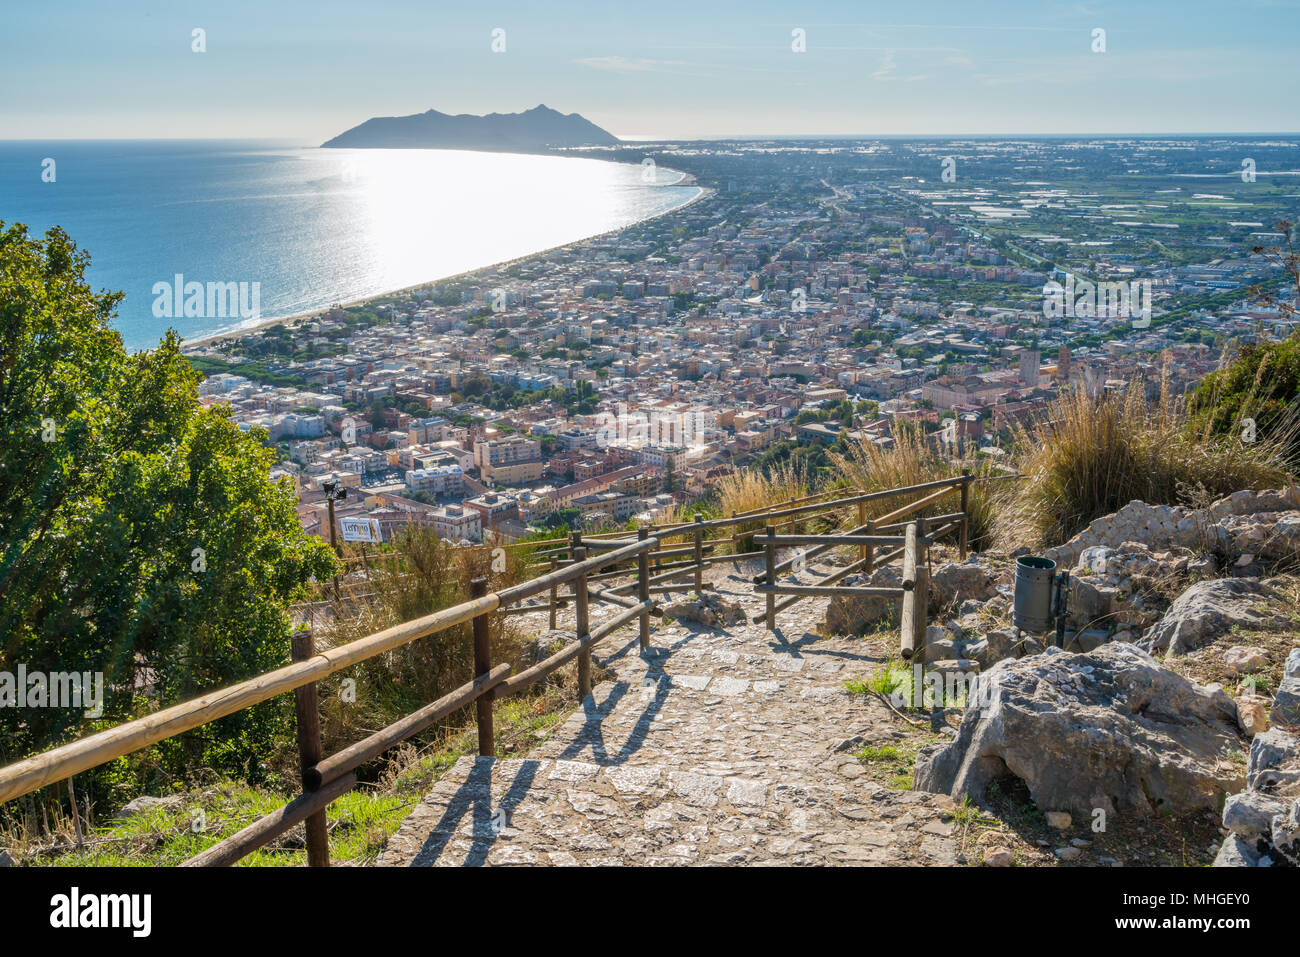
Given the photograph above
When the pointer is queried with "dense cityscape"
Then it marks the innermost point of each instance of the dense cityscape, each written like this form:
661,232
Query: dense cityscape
816,294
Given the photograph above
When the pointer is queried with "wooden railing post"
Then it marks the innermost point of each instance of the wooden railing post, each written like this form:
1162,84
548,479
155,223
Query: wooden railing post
965,511
643,586
922,589
555,591
866,550
907,621
581,607
482,665
699,553
769,557
307,709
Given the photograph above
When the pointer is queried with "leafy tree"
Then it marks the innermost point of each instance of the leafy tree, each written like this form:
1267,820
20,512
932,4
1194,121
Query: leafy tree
670,476
140,535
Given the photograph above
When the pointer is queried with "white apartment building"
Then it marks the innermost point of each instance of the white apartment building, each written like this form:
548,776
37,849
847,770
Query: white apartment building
455,522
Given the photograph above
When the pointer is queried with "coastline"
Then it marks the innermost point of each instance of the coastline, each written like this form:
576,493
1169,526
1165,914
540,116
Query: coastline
203,342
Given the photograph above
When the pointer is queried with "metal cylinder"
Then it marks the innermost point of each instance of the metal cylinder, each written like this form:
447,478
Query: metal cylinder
1033,602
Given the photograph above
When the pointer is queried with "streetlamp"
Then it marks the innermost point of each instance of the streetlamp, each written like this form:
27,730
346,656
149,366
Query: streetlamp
334,492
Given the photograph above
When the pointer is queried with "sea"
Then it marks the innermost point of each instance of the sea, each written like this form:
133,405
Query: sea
284,229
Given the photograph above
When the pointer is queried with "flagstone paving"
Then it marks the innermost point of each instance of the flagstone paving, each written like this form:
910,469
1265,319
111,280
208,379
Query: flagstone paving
731,746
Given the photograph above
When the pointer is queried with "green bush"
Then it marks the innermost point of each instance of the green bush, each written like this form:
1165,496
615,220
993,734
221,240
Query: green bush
140,535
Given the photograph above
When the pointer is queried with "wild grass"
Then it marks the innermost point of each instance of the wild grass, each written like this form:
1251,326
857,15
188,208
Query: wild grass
884,679
754,489
1088,457
428,575
749,490
912,459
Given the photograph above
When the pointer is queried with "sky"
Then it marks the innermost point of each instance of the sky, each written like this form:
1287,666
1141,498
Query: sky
304,71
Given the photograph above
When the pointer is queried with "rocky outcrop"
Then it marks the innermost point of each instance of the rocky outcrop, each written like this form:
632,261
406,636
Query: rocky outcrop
955,582
1264,524
1112,730
1209,609
1263,822
857,614
1286,704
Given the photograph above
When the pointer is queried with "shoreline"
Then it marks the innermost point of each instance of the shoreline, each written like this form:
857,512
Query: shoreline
201,342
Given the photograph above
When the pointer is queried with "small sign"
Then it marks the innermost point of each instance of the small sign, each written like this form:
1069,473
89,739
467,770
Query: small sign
360,529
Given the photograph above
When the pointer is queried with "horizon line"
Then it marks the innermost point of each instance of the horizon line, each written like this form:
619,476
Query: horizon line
639,138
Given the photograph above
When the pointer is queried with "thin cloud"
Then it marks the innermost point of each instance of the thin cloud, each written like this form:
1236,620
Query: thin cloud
622,64
887,66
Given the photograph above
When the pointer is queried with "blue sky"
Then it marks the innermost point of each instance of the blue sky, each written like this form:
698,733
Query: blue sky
304,71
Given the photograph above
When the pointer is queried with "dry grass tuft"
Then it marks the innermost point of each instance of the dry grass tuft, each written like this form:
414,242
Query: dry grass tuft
1089,457
912,460
430,575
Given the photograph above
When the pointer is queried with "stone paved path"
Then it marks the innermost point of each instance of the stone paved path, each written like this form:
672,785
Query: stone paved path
720,747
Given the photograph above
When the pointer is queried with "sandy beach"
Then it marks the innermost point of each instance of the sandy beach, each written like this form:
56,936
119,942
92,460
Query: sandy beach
201,342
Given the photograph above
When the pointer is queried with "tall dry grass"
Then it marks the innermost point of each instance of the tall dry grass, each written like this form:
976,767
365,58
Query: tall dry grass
743,491
1088,457
912,460
750,490
428,575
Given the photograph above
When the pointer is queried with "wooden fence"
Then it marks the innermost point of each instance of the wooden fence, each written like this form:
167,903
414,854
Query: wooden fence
570,563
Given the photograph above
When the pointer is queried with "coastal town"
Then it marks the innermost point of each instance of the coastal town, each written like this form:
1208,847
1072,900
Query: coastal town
804,301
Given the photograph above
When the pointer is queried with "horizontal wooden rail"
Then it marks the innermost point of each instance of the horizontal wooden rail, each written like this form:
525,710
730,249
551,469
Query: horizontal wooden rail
62,762
871,526
623,601
864,591
830,579
944,485
785,541
367,749
529,676
665,553
606,628
39,770
515,593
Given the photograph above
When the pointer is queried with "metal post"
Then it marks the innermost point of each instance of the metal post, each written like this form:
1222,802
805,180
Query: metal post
643,587
582,629
307,710
482,665
333,544
769,555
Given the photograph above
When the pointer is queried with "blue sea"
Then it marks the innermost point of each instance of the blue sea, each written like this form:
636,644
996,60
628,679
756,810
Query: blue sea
304,228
